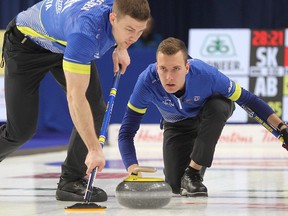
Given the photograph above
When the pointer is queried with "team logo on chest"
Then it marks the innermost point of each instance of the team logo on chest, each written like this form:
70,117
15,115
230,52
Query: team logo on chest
168,102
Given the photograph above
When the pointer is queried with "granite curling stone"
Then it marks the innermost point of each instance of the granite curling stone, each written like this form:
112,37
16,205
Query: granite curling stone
143,193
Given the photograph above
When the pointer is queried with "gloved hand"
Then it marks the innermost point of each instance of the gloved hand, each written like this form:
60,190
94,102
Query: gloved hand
284,134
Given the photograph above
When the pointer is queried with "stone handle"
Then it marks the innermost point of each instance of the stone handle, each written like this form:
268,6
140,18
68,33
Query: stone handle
144,169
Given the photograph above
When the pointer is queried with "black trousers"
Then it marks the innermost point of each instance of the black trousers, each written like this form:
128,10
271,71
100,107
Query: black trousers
26,65
194,139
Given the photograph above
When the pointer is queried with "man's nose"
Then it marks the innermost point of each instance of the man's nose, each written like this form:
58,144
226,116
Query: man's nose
169,76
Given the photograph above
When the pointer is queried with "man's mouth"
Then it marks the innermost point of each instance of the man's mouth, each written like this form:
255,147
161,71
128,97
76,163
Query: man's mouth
170,85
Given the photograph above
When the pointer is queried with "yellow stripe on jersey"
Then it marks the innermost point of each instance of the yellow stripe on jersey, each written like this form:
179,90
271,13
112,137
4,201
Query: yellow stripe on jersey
31,32
141,111
76,68
237,93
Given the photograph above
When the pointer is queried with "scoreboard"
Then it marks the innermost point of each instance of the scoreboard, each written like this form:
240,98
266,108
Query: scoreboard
267,69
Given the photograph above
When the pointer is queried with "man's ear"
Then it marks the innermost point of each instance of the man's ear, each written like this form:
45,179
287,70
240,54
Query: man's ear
112,17
187,66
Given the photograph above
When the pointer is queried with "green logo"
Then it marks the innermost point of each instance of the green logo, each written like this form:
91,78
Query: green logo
218,45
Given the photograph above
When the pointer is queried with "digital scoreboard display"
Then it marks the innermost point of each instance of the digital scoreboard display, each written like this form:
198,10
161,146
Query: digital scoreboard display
270,38
267,67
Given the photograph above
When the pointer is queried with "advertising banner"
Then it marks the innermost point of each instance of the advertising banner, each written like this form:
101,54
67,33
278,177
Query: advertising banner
228,50
150,135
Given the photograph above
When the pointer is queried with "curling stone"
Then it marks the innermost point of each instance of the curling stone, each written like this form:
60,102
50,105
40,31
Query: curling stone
143,193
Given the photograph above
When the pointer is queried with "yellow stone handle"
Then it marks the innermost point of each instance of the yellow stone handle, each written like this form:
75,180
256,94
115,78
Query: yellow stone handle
144,169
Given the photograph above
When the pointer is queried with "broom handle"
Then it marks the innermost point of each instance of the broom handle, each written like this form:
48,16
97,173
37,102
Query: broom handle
264,123
103,133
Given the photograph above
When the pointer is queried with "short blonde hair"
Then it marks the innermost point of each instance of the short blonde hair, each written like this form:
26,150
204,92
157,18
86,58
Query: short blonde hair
171,46
137,9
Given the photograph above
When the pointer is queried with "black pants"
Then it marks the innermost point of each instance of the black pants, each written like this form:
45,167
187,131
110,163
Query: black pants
194,139
26,65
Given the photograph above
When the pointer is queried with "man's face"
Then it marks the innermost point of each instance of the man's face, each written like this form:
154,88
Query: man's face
172,70
126,30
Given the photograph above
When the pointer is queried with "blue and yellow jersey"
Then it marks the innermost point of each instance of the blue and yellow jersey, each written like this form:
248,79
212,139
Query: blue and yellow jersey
79,29
202,82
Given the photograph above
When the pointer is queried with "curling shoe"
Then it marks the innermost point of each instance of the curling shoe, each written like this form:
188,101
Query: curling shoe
191,184
75,191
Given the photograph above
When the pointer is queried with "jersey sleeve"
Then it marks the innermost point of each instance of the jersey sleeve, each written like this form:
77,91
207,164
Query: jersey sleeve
78,54
245,98
141,96
136,108
129,127
255,103
225,86
241,96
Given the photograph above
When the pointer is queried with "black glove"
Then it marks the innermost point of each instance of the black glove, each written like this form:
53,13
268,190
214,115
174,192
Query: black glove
284,135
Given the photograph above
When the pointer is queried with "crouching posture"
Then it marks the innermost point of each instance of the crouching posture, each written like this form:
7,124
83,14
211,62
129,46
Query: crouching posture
195,101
